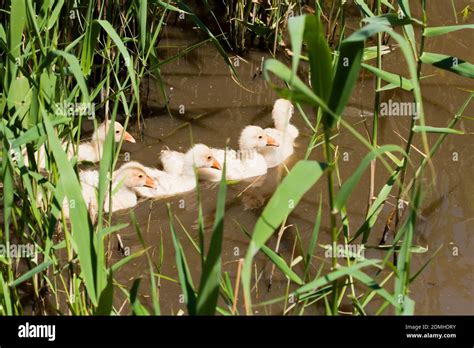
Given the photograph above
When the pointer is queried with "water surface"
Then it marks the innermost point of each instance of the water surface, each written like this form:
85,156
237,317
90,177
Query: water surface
209,107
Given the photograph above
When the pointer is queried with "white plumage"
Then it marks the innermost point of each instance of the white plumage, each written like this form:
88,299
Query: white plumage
245,163
183,178
284,132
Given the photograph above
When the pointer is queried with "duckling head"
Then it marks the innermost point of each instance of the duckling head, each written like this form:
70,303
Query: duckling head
133,175
101,132
255,138
282,112
138,178
201,157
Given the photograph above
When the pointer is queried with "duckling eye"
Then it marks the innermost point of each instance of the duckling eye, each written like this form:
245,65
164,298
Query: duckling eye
260,136
117,131
140,176
209,157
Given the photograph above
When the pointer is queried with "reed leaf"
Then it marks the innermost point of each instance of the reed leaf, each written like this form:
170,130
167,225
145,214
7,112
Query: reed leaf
278,261
395,80
351,183
82,230
390,19
211,272
354,271
128,62
314,238
436,31
442,130
27,275
184,274
137,307
17,25
449,63
298,181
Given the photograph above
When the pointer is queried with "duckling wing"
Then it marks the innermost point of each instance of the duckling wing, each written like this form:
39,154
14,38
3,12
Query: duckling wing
88,152
153,172
233,166
123,198
89,177
241,165
292,131
172,161
178,184
167,185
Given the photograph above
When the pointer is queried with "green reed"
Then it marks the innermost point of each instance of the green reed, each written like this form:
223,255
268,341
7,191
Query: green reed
58,53
103,58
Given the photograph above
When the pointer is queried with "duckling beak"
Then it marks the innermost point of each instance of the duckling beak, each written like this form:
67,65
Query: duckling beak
128,137
149,182
271,141
216,165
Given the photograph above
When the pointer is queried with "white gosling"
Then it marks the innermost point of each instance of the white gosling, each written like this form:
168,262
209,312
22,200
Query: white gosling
128,178
125,180
183,178
284,132
90,151
247,162
172,161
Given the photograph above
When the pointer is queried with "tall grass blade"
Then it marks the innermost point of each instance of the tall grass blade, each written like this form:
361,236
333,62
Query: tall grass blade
137,307
278,261
106,298
17,24
73,65
82,230
314,238
299,180
128,62
396,80
442,130
436,31
449,63
38,269
351,183
211,272
376,208
183,270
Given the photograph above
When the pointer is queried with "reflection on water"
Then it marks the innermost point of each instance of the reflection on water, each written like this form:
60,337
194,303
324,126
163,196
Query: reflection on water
209,107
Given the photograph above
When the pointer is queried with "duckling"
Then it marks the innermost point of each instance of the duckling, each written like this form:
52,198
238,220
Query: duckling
127,179
247,162
172,161
284,132
92,151
170,184
88,151
124,180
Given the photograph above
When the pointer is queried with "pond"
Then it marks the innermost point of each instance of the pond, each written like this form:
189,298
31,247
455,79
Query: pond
209,107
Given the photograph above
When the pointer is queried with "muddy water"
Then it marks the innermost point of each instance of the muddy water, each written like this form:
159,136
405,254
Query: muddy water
209,107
